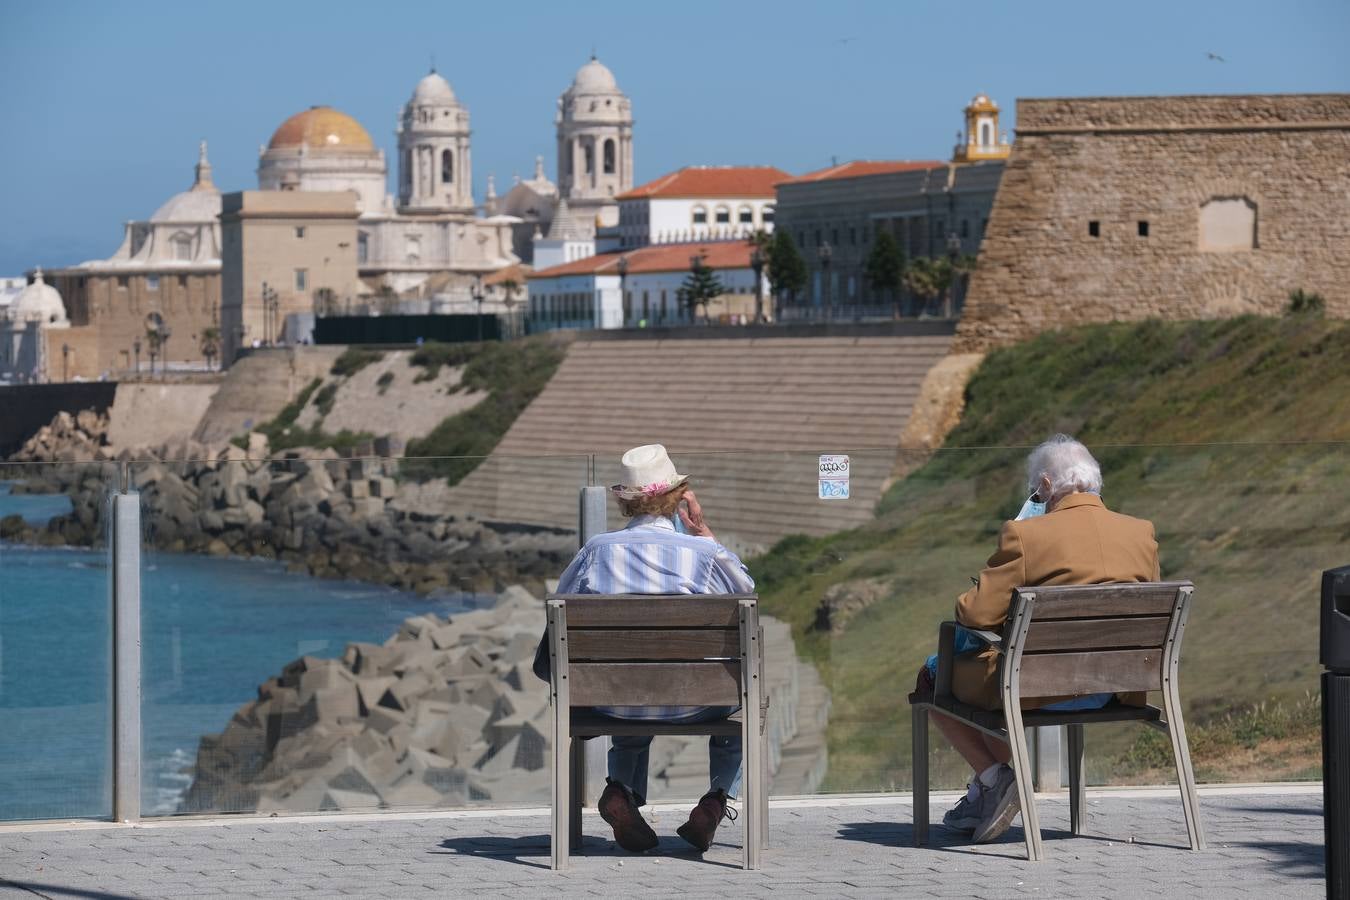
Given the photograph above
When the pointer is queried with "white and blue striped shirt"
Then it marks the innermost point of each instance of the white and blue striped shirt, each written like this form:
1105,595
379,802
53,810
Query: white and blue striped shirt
650,557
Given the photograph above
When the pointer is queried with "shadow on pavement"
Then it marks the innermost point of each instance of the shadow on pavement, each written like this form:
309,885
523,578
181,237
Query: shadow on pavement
1294,859
534,850
42,889
944,840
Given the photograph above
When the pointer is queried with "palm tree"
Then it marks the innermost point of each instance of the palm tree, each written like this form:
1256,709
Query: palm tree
209,342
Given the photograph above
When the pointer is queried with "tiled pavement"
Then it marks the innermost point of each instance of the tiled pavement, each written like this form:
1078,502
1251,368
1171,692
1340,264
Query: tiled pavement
1264,842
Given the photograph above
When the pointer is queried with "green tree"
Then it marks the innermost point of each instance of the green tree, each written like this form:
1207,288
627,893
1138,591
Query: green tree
209,343
885,268
787,269
700,286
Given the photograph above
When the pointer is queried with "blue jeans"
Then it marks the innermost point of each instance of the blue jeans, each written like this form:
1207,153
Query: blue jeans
628,757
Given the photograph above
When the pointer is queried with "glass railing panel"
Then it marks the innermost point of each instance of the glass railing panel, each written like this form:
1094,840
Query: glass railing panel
55,639
348,634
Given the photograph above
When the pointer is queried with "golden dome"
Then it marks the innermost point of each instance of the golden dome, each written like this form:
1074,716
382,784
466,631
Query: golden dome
320,128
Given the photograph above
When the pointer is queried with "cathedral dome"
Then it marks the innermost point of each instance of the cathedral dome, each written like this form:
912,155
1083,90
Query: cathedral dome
199,203
433,89
39,301
594,78
322,128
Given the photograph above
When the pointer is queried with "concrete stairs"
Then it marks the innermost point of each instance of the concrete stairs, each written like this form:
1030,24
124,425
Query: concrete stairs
745,418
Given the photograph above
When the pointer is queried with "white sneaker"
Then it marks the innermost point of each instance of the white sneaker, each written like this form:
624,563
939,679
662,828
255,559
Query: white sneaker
1001,806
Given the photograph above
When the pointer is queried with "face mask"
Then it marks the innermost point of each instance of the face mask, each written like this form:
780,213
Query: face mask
1031,509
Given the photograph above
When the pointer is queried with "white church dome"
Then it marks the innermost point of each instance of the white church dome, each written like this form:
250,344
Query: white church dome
433,89
594,78
199,203
39,301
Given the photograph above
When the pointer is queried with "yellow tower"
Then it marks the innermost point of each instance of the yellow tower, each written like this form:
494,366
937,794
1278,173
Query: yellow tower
981,139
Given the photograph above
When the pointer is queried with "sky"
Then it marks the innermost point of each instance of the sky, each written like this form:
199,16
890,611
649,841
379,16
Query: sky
102,104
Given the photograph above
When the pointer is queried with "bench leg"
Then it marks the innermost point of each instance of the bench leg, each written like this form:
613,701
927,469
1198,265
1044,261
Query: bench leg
919,766
1181,754
578,791
1026,795
1077,791
562,801
763,794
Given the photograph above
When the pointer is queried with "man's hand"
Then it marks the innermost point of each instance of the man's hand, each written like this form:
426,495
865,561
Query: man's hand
691,514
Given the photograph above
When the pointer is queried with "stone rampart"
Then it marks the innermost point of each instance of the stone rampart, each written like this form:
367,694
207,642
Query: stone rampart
1170,207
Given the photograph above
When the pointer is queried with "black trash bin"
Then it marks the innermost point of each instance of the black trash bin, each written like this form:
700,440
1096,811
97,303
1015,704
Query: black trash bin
1336,728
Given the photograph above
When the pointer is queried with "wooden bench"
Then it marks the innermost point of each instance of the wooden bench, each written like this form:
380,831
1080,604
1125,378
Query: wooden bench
1071,640
654,650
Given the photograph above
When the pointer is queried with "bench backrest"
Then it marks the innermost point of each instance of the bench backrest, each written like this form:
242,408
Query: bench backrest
652,649
1097,638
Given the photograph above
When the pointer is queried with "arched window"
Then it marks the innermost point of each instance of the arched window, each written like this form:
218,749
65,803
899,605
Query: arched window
447,167
985,135
362,247
590,159
766,215
723,215
182,247
1228,224
745,216
609,156
700,215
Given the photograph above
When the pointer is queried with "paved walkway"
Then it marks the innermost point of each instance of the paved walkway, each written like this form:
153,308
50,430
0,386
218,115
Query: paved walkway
1264,842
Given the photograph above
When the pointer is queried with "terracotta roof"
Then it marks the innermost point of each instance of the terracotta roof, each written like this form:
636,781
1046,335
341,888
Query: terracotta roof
712,181
514,272
861,167
657,258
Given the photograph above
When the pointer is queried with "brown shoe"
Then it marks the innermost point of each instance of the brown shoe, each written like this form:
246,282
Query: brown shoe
705,818
619,808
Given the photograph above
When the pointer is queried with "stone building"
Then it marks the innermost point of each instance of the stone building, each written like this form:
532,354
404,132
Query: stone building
1124,208
286,254
595,143
698,203
32,326
834,215
165,277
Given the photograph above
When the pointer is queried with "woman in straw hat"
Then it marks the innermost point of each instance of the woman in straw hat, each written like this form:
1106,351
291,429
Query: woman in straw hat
666,548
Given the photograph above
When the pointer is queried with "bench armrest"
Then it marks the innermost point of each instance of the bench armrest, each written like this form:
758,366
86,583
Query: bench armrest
991,638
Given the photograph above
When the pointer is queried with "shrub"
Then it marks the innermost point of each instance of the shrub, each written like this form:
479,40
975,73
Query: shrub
1305,303
353,360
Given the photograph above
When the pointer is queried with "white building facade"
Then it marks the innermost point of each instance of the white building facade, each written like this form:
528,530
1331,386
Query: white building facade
699,203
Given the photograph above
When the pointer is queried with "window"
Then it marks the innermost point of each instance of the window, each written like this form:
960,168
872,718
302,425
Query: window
301,279
1143,228
182,281
447,167
362,247
152,282
182,248
590,159
834,236
300,231
766,215
853,235
965,228
1094,228
700,216
985,135
609,156
723,216
746,216
818,237
122,282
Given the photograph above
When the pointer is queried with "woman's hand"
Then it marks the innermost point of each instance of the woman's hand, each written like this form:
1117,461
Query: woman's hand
691,514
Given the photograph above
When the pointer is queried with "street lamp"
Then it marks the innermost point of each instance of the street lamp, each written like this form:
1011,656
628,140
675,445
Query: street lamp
164,334
757,266
477,294
136,348
65,362
953,252
826,254
622,268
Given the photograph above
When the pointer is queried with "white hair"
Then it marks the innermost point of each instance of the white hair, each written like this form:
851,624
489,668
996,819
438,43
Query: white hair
1067,464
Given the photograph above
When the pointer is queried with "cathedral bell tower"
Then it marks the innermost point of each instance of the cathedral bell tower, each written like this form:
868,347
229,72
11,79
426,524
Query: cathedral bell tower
595,142
434,173
981,139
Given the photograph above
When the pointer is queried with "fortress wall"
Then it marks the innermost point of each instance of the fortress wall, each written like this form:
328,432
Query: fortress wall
1278,167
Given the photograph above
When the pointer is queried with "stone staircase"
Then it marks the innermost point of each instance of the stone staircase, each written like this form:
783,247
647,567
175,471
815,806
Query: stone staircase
745,418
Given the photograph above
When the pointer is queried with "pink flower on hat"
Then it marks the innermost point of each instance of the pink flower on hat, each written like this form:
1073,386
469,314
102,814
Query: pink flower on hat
659,487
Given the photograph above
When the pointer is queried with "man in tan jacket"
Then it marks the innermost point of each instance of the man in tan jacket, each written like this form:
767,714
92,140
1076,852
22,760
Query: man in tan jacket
1076,540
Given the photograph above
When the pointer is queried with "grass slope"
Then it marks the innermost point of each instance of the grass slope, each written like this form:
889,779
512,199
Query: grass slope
1230,436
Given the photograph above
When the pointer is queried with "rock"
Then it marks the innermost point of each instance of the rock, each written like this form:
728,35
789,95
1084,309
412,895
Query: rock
258,447
845,600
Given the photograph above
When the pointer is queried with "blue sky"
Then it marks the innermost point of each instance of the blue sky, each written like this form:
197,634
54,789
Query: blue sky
103,103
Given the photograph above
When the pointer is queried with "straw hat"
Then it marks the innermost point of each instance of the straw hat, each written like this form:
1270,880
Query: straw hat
647,472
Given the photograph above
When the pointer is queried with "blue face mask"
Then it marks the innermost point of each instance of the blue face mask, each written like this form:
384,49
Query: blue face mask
1031,509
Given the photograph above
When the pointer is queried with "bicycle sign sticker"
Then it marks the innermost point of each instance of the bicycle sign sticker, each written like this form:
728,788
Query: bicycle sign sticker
833,477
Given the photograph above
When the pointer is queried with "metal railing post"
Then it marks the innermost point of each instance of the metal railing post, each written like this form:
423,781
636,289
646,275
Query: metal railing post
1047,752
125,542
592,520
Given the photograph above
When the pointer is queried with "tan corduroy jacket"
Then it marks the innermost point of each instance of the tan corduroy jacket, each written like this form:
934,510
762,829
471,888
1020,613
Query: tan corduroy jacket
1079,542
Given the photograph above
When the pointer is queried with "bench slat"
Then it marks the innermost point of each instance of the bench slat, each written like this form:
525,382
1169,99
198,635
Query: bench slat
1096,634
685,644
655,684
1090,601
1060,674
657,610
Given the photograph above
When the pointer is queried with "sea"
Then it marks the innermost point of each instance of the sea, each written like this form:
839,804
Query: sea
212,630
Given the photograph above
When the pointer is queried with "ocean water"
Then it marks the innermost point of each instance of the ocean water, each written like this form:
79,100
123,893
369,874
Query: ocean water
212,631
